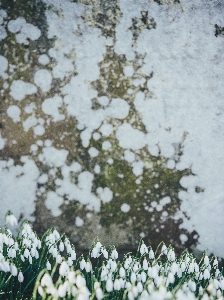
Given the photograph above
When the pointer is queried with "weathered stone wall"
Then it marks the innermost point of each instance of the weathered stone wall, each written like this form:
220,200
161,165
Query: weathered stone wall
111,118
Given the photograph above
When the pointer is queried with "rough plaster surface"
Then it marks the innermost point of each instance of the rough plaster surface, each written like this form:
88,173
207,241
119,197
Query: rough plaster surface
112,120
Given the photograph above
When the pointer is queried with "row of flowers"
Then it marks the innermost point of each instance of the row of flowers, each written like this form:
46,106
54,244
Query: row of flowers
48,268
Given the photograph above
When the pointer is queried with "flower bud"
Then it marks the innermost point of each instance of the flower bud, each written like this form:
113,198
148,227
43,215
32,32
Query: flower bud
20,277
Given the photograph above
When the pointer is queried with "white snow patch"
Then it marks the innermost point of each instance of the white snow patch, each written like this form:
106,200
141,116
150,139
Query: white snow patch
79,222
138,167
128,71
29,123
43,179
125,207
105,194
19,89
18,196
106,129
43,79
50,107
30,108
118,109
53,202
53,157
39,130
97,169
103,100
43,59
106,145
3,64
93,152
13,112
2,142
129,156
129,137
24,31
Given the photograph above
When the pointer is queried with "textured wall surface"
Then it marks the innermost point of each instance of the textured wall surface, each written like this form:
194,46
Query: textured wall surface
112,120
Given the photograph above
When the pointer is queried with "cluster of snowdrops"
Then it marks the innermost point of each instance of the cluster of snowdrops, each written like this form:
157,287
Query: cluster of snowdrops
48,268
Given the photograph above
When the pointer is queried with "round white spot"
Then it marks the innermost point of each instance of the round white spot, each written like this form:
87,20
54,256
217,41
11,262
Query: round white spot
79,222
93,152
125,208
43,79
43,59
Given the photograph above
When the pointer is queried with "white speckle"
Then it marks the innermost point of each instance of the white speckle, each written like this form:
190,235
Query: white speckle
106,129
138,181
164,213
97,169
19,89
106,195
153,204
33,148
128,71
43,59
85,137
43,79
30,108
183,238
159,207
110,161
129,156
27,30
142,235
118,108
5,85
13,112
125,208
138,168
39,130
148,191
93,152
103,100
47,143
170,164
54,157
2,142
53,202
96,136
156,186
129,137
43,179
79,222
165,200
106,145
29,122
85,180
40,143
14,26
75,167
50,107
4,65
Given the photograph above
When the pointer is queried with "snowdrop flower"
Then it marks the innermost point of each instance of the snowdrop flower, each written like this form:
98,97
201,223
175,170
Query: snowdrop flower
215,263
154,272
221,282
36,254
133,277
58,259
70,261
117,285
12,253
192,285
64,268
22,258
48,265
151,254
73,254
114,254
164,249
122,272
206,260
26,253
171,255
109,285
54,252
82,264
145,264
95,253
11,220
71,277
16,246
126,264
32,252
46,280
14,270
61,246
69,248
113,266
20,277
80,281
99,293
105,253
143,277
139,287
170,278
131,296
62,289
56,235
143,249
135,267
40,290
128,286
88,266
135,291
30,259
122,282
206,274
